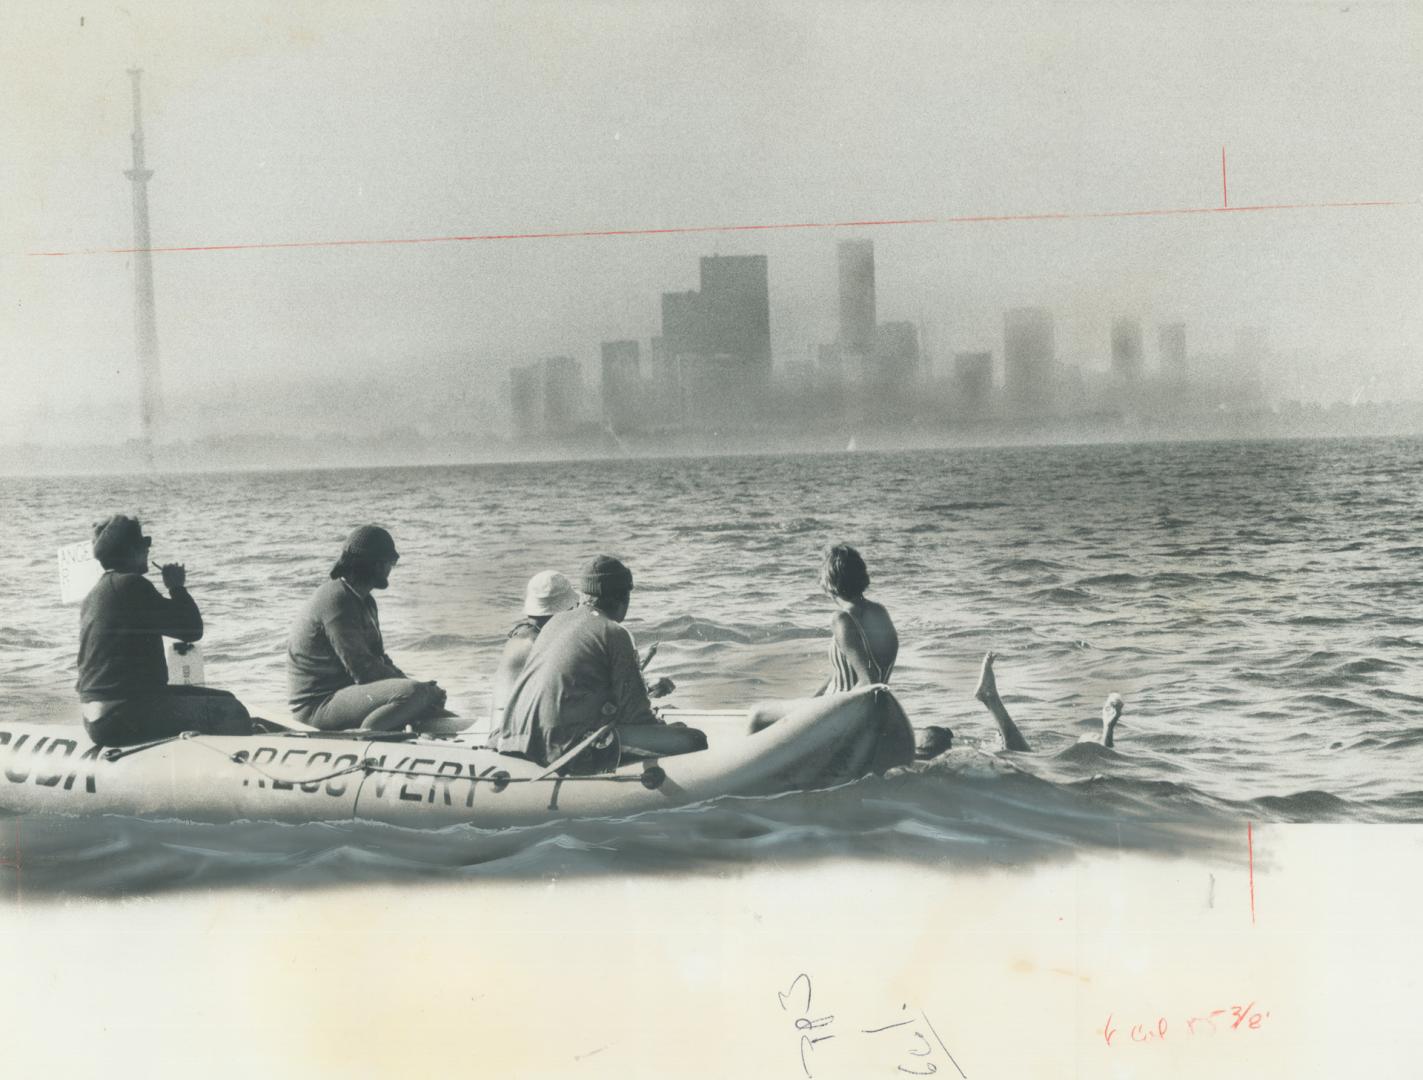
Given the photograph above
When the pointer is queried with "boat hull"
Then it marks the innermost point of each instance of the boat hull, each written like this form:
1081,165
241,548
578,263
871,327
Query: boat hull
420,782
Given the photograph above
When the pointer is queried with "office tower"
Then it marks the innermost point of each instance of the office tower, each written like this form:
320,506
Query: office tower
544,398
1029,352
857,295
973,381
736,309
1126,348
716,341
896,356
1171,342
621,384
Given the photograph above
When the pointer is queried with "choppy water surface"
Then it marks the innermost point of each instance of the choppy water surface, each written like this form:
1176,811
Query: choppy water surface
1257,604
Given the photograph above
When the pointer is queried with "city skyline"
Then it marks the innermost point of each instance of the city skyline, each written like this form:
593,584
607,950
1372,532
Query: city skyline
313,143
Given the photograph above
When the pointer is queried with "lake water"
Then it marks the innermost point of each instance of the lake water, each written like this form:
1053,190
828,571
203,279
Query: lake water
1256,603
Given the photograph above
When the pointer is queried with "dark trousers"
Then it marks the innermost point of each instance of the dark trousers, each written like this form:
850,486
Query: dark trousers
169,712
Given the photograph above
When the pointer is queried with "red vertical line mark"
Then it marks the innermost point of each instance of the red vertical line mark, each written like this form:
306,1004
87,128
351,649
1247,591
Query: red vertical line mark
1224,190
1250,847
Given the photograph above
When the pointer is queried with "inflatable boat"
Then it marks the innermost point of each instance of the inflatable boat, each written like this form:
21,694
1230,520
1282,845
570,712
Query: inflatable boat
405,779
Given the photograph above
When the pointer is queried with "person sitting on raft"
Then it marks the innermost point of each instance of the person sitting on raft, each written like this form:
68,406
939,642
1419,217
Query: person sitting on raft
987,692
548,593
338,673
863,641
123,674
582,673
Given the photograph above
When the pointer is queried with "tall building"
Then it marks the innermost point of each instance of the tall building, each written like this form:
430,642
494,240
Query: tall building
1171,343
683,323
544,398
857,295
525,402
563,393
736,306
896,356
621,385
716,342
1126,348
973,381
1029,352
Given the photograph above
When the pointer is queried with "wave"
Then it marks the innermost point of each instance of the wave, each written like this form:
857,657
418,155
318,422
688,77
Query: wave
918,815
952,507
1062,595
691,628
1023,563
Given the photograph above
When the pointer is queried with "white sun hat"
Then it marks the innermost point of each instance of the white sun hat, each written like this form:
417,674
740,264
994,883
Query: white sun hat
549,593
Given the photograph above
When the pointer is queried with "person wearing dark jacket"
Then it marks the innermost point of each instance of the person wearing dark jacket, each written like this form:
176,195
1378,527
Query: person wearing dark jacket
123,674
338,673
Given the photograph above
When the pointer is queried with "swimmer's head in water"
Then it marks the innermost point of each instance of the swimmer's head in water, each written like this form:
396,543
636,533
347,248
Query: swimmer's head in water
932,741
843,573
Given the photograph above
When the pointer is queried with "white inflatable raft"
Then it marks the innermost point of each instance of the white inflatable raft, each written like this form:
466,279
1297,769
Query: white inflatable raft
414,781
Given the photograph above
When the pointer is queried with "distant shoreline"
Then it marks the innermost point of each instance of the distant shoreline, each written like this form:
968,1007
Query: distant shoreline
267,453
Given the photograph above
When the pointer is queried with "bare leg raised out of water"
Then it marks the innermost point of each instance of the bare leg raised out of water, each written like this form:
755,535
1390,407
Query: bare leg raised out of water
987,692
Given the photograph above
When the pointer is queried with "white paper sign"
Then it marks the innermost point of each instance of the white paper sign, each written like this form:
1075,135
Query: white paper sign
78,570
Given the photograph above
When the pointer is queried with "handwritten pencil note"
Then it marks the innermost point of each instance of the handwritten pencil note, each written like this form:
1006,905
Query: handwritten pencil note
905,1042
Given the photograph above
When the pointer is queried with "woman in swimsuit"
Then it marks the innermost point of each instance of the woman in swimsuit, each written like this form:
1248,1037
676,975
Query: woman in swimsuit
863,644
863,641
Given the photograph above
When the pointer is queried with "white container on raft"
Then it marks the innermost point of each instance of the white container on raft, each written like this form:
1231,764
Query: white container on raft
185,663
415,782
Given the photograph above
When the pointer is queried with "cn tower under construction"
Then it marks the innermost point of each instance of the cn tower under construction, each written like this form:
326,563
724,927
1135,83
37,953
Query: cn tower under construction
145,314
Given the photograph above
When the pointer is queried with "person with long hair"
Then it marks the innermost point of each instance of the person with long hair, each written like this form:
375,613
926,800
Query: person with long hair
338,672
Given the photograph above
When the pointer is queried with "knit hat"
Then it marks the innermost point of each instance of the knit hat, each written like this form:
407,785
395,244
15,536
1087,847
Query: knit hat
371,543
606,576
549,593
115,535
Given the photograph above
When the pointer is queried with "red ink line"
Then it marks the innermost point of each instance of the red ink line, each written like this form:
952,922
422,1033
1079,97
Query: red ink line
696,229
1250,847
1224,191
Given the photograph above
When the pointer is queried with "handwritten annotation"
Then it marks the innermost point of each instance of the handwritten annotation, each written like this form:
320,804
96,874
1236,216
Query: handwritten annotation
1217,1021
910,1050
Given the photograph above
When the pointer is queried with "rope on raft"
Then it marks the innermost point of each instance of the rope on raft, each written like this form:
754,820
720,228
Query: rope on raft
651,776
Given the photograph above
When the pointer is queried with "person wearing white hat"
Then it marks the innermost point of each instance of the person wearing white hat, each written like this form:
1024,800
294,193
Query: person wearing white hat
548,593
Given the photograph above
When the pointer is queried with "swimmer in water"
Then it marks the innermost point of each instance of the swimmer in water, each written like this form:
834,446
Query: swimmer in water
987,692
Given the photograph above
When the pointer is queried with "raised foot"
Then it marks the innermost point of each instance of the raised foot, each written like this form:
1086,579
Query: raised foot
987,689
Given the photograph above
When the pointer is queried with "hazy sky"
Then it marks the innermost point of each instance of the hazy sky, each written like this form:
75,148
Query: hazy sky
300,121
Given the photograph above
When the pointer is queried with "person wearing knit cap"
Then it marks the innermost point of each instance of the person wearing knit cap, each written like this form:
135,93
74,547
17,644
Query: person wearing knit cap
582,672
547,593
123,674
338,673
